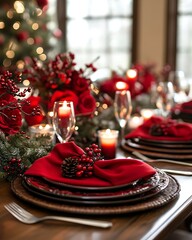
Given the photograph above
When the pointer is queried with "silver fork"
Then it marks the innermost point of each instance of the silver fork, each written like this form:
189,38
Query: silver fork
26,217
147,159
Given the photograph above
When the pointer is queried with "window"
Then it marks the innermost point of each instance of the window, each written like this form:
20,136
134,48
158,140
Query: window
98,28
179,33
184,37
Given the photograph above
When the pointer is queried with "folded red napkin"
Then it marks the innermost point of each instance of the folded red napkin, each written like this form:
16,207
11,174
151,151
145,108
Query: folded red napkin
105,173
158,128
185,107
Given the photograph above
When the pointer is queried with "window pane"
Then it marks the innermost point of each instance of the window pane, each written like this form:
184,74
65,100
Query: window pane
100,28
185,6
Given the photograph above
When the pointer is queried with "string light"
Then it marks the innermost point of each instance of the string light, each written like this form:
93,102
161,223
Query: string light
42,57
2,25
10,14
30,41
39,50
35,26
19,7
10,54
16,25
20,64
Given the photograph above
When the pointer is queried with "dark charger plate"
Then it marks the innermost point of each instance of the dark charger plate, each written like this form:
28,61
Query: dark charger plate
158,200
142,189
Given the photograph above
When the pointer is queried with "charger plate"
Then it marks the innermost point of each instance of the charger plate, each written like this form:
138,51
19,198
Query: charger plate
123,196
162,154
138,187
165,196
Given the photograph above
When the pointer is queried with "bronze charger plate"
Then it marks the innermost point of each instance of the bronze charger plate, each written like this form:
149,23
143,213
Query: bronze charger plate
164,197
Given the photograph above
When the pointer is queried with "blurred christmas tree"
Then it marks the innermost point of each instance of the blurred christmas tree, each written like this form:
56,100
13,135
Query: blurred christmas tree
24,32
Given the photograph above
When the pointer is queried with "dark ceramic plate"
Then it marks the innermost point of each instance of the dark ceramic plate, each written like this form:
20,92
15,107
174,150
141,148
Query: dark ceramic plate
156,148
142,186
114,199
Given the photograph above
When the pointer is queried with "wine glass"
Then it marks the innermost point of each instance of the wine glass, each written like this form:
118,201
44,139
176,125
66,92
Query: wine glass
122,108
165,97
180,84
63,120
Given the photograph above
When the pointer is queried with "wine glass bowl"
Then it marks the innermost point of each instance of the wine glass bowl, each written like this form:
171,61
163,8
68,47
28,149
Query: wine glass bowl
165,97
122,108
63,120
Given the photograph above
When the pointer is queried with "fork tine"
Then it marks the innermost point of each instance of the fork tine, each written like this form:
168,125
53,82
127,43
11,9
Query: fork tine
13,212
20,209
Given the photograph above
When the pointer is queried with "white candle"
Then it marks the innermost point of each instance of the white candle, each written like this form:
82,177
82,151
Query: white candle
135,121
147,113
64,110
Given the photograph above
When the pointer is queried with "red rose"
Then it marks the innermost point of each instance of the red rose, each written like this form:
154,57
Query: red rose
80,84
66,95
87,103
35,119
10,119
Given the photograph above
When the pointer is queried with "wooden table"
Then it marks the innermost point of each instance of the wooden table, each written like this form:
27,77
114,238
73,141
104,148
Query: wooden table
153,224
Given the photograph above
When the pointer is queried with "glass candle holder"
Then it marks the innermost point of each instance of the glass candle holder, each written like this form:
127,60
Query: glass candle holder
108,141
42,129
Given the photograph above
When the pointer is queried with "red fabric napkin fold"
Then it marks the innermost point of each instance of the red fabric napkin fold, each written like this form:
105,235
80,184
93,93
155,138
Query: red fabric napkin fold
185,107
172,130
106,172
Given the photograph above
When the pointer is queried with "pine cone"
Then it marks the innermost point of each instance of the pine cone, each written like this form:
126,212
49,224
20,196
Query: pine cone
69,167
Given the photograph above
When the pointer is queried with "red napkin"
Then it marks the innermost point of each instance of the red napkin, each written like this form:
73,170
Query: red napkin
172,130
185,107
106,172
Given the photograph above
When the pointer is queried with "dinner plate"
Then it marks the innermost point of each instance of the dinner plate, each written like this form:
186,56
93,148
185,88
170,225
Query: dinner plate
167,195
119,198
154,141
88,188
156,148
140,187
150,153
160,144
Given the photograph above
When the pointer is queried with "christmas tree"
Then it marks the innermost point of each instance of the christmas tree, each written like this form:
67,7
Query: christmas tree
24,32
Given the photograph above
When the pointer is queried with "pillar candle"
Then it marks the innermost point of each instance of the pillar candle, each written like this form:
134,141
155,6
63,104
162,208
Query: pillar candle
108,140
64,111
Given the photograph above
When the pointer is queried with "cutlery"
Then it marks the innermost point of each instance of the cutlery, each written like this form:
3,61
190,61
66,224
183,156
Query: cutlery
179,172
147,159
26,217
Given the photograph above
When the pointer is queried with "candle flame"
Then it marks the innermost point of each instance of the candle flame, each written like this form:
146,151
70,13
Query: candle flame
122,85
131,73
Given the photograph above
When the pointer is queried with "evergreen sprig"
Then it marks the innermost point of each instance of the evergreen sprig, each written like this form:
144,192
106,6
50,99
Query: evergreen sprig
18,152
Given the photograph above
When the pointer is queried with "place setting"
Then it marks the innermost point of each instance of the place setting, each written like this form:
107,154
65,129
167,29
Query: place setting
92,180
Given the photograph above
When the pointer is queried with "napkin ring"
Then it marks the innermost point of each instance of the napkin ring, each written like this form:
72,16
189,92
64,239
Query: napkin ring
81,166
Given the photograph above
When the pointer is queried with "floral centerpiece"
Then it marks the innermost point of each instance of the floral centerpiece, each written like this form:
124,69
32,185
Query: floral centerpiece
60,79
17,150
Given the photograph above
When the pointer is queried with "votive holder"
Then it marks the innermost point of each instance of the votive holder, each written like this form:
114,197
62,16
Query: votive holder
108,141
42,129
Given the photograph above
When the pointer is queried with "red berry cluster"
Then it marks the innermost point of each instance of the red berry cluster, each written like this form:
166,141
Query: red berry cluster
82,166
14,167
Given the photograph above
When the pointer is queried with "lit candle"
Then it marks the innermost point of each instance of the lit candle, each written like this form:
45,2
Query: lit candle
147,113
131,74
135,121
64,111
122,86
108,142
42,129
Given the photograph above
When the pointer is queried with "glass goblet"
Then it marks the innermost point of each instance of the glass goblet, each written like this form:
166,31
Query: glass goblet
63,120
165,98
122,108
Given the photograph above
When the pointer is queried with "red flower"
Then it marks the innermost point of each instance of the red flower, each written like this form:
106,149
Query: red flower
67,95
10,117
87,103
27,109
80,84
